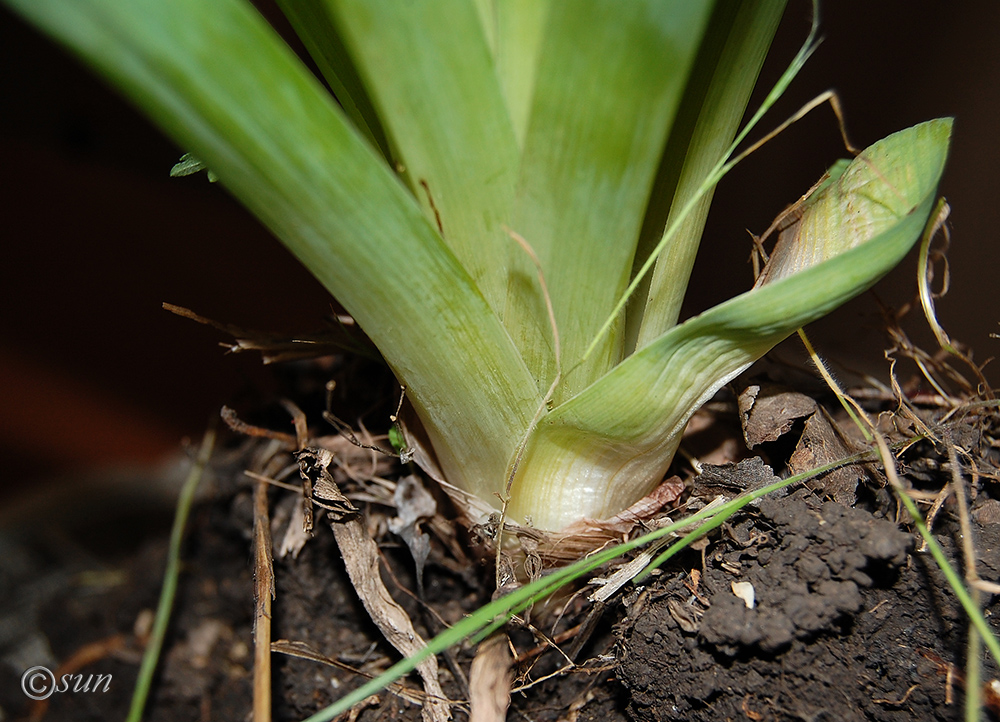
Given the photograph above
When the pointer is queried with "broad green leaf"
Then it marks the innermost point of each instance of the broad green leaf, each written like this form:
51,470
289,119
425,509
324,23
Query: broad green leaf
312,24
221,83
428,69
519,28
601,450
724,75
598,123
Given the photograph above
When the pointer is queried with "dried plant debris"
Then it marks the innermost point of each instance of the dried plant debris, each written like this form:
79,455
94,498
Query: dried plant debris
362,561
321,473
776,582
413,505
732,479
319,488
489,680
821,444
768,411
339,336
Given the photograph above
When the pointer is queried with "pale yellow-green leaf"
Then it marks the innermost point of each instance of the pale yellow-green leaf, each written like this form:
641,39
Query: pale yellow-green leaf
595,453
429,72
599,119
714,103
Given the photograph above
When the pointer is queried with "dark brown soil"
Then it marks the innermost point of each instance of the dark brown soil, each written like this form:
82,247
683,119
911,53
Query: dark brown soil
850,621
847,626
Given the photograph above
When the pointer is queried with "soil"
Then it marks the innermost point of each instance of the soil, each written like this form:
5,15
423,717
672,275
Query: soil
850,619
849,624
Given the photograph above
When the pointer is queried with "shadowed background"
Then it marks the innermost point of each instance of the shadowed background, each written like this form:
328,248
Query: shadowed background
96,235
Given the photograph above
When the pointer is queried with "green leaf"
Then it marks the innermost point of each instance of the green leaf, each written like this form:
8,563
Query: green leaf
429,71
598,452
221,83
519,28
598,123
312,24
189,165
724,75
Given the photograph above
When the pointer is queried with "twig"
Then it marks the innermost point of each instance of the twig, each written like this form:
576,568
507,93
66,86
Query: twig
241,427
301,650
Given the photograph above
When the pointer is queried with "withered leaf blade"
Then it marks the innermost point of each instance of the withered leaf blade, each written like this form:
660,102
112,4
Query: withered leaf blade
821,444
768,411
413,503
730,479
489,681
687,617
314,469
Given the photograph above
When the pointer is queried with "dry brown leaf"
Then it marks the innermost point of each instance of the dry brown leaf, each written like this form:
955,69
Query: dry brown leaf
582,537
413,504
361,559
768,411
821,444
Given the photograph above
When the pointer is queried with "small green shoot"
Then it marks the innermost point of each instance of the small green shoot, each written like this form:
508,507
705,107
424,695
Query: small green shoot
189,165
171,574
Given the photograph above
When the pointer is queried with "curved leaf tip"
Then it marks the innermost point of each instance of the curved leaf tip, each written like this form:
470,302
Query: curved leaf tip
857,201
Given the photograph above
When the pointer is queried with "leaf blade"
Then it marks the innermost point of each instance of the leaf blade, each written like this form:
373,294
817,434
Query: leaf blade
429,71
597,125
746,32
218,80
626,426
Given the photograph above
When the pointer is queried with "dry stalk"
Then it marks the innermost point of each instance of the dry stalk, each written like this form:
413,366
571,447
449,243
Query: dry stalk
263,595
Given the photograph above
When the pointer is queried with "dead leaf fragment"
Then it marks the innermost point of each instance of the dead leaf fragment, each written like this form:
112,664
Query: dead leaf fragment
821,444
361,560
687,617
413,504
768,411
731,479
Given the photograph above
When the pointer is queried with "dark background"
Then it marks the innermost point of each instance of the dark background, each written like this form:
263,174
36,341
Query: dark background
96,235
